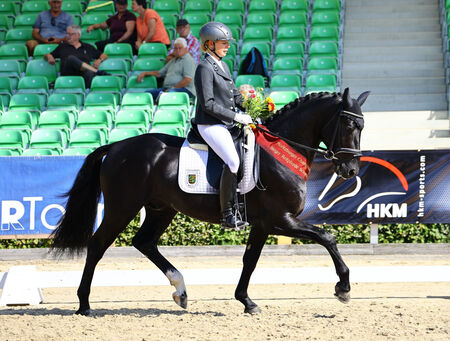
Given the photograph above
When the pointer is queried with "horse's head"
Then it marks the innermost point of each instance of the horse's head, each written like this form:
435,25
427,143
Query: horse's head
343,135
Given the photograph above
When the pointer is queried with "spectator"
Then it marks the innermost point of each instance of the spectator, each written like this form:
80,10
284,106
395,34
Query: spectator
184,31
149,25
178,72
122,27
76,57
50,26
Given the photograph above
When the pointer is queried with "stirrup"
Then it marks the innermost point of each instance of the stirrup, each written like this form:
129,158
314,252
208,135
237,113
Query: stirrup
233,221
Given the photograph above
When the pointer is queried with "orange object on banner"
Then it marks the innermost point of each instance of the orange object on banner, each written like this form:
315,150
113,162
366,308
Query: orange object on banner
284,153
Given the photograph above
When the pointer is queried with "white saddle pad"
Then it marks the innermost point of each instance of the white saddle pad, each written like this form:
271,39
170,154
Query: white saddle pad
192,168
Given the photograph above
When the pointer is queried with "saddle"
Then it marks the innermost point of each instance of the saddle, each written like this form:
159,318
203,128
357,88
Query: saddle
200,168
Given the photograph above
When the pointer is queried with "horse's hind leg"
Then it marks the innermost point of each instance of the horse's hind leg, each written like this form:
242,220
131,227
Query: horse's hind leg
107,232
146,241
294,227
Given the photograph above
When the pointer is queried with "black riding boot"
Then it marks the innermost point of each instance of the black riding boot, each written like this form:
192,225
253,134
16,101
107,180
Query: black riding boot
230,216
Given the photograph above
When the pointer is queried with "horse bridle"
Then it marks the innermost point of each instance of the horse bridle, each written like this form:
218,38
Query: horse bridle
328,152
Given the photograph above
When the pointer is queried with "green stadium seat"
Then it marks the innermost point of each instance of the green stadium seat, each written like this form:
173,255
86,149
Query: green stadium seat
323,49
27,102
147,64
42,49
64,101
197,7
230,19
99,119
231,6
71,85
132,119
90,138
315,83
34,85
291,33
229,60
53,139
289,49
6,91
295,5
93,36
167,129
41,67
153,50
293,18
197,18
20,120
57,119
262,6
12,139
263,47
25,20
101,101
326,18
174,100
171,6
16,52
18,35
120,50
116,67
324,33
326,5
281,98
10,152
258,34
107,84
119,134
5,25
169,19
35,6
148,82
286,82
8,9
260,19
257,81
322,65
73,151
138,101
175,118
10,69
40,152
74,8
287,66
93,18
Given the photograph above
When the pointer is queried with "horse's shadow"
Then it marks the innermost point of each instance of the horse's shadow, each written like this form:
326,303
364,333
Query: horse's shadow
139,312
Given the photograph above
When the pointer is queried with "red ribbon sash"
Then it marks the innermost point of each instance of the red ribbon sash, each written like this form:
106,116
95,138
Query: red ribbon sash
284,153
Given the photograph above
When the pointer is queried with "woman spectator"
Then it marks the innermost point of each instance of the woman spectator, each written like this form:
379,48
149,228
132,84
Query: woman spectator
122,27
149,25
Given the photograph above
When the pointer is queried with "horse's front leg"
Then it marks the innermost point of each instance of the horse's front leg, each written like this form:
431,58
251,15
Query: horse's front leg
294,227
255,243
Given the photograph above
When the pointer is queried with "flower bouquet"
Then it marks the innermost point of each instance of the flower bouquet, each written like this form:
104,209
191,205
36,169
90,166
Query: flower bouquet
257,105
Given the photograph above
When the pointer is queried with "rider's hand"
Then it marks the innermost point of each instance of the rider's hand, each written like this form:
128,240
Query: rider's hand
243,118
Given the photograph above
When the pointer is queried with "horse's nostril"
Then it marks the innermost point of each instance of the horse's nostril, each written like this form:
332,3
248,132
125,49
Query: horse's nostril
352,172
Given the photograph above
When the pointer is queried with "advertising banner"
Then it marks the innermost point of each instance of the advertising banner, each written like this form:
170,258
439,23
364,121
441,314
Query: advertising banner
391,187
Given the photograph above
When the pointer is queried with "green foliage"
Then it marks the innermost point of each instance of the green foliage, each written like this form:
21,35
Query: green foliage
185,230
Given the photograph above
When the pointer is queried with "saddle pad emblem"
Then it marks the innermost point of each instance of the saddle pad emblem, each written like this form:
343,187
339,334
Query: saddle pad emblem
192,177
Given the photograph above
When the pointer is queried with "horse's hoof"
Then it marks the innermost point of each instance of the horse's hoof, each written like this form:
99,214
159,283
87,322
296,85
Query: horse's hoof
253,311
181,300
83,312
341,295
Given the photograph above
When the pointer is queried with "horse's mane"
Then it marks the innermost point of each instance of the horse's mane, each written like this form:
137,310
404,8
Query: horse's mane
298,104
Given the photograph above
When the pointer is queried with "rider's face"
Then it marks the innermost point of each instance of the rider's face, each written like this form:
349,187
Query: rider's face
222,47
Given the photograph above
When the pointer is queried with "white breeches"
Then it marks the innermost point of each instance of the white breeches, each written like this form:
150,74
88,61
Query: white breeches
219,139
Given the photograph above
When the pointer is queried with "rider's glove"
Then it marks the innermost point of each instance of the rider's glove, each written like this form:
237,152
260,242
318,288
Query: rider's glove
243,118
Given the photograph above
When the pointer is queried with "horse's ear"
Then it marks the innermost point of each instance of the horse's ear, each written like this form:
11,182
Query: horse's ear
362,98
346,98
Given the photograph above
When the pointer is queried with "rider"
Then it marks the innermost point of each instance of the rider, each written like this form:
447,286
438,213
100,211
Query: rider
219,106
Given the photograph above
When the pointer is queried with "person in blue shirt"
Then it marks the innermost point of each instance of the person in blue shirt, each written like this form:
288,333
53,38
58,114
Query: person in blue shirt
50,26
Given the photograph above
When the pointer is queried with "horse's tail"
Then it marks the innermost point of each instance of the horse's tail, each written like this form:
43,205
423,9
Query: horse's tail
76,226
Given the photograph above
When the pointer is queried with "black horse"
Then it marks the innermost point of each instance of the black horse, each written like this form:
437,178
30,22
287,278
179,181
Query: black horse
142,172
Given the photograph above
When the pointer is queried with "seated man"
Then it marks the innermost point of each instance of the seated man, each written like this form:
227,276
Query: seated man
50,26
193,45
75,57
122,27
178,72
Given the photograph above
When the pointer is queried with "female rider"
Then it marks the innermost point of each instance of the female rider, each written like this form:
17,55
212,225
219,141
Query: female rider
219,105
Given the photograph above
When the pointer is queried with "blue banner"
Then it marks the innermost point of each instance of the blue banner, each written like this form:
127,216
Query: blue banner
391,187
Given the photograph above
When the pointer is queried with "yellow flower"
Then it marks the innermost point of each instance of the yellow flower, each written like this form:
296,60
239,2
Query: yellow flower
259,106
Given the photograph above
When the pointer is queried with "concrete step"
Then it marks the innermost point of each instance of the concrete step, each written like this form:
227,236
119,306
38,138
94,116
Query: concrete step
392,25
387,3
388,85
391,36
393,54
363,41
399,142
393,12
414,120
402,102
392,69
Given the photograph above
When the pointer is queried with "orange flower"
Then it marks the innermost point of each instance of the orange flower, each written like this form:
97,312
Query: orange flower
271,106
